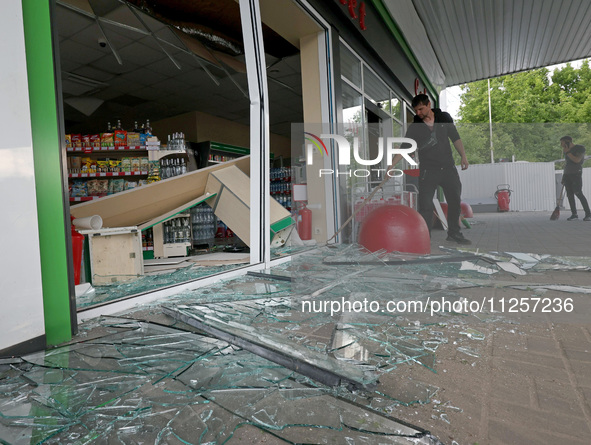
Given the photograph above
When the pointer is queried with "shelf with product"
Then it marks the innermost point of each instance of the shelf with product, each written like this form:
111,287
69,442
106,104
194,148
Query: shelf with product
110,162
281,186
210,233
172,238
211,153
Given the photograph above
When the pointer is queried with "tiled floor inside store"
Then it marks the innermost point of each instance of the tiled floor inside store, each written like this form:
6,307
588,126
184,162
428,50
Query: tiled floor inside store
396,366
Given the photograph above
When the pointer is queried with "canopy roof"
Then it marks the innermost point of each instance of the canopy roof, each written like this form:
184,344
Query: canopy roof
460,41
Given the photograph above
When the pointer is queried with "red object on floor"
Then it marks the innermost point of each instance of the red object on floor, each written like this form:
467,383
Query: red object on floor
466,210
395,228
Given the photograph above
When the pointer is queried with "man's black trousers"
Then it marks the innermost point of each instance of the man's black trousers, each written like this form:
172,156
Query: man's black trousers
449,180
573,184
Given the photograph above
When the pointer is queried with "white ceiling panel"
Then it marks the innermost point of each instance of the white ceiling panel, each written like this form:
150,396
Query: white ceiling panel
477,39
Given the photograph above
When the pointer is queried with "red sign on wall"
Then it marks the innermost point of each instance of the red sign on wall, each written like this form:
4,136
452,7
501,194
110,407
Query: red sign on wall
417,88
355,13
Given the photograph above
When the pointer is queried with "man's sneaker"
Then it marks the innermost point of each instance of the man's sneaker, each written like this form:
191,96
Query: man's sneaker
587,218
572,217
458,238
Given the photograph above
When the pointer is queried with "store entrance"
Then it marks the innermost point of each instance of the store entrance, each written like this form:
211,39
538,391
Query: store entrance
157,126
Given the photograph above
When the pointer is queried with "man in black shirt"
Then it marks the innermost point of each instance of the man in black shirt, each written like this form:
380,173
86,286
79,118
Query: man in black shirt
572,178
432,130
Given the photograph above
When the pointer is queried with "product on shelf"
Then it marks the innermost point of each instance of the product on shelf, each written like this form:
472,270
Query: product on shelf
76,141
107,140
116,185
88,165
176,141
75,164
281,185
203,224
120,138
135,164
133,139
98,187
95,141
102,166
114,165
126,165
153,171
78,189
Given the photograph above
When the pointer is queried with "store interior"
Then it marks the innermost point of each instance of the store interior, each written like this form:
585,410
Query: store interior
166,83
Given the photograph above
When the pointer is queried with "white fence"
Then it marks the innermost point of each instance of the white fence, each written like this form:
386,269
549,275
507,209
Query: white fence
532,183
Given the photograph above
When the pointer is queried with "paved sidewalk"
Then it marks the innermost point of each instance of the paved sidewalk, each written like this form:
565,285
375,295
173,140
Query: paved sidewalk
531,232
532,382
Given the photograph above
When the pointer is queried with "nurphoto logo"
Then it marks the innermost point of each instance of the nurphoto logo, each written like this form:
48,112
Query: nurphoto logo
386,150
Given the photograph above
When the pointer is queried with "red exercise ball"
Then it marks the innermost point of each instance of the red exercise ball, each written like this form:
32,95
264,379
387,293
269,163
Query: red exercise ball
466,210
395,228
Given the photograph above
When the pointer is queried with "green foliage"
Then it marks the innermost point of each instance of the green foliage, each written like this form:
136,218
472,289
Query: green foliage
530,112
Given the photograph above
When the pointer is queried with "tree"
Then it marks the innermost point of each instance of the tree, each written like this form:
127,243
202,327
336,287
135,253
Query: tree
530,112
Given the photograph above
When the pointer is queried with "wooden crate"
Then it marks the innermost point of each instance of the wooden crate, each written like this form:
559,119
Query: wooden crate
115,255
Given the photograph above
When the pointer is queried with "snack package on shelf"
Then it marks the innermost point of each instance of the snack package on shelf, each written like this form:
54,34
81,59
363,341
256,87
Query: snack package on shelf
126,165
78,189
135,164
120,138
133,139
97,187
75,164
102,187
102,166
144,164
130,184
92,187
86,141
68,142
95,141
88,165
116,185
76,141
114,165
153,171
107,140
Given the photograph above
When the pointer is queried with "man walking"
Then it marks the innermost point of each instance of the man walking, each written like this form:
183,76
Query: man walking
572,178
432,130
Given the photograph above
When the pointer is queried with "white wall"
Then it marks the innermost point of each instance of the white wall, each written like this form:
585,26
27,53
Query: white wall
532,184
21,296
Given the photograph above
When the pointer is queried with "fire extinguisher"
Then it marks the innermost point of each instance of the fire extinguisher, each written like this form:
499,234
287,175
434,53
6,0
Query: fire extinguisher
305,223
503,197
77,247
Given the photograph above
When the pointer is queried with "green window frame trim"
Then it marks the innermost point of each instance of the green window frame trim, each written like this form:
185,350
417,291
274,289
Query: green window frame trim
47,147
389,21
